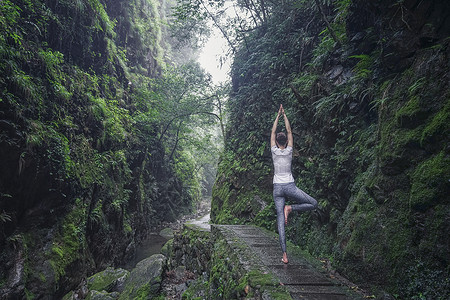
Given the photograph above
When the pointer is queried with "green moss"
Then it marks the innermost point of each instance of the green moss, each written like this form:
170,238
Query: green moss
166,250
439,125
221,206
223,283
143,292
436,226
29,295
126,226
229,279
396,147
429,182
68,296
68,244
199,287
106,279
266,218
409,110
262,281
256,277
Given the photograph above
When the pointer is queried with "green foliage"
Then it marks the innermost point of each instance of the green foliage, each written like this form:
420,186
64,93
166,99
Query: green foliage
5,217
103,23
370,144
323,49
266,218
430,282
363,66
10,16
102,115
305,83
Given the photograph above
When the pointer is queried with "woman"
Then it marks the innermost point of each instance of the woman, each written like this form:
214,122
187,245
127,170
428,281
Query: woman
283,181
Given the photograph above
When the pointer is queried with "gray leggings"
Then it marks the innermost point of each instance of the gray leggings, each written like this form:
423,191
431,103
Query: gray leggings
304,203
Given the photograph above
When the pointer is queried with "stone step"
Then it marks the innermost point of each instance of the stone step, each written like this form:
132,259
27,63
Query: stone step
301,278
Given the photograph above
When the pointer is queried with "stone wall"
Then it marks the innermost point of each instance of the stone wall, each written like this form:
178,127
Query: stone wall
191,248
227,267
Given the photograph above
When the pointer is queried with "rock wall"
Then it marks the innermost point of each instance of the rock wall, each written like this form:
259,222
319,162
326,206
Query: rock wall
369,109
81,180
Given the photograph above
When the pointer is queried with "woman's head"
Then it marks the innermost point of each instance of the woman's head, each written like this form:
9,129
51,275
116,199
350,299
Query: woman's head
281,139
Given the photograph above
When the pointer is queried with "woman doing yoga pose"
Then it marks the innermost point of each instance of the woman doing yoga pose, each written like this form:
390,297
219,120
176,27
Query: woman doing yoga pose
283,181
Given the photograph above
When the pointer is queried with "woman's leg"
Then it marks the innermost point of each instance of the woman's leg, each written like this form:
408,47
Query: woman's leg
304,201
279,206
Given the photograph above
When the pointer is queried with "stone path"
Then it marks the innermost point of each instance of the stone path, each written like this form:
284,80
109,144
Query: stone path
302,280
201,222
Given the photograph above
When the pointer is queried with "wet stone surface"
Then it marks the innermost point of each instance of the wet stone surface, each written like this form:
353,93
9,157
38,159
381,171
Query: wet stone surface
302,279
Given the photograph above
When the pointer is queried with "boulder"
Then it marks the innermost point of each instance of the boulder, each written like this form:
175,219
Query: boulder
108,280
167,233
145,278
166,250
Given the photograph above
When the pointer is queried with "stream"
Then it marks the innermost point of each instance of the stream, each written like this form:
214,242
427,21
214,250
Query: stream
149,246
153,243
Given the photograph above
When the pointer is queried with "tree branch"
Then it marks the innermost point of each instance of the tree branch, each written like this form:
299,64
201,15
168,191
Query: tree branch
324,17
219,27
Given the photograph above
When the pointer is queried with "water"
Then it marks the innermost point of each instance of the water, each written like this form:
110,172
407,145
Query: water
151,245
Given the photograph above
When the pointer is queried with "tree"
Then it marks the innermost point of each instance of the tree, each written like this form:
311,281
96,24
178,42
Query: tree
235,20
188,110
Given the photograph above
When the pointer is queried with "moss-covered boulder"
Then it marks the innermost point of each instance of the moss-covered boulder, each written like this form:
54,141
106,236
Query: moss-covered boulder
166,233
108,280
145,278
166,249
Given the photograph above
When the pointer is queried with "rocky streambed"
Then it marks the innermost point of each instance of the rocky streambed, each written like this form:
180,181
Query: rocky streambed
155,272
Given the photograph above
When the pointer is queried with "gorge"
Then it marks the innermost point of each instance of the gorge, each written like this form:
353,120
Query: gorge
109,128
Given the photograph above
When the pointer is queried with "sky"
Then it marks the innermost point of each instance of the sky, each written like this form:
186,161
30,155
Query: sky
210,54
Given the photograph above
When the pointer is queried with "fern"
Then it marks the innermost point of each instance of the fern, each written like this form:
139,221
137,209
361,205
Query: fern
4,217
363,67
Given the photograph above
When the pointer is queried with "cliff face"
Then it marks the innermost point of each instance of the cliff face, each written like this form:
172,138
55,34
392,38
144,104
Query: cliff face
83,175
368,101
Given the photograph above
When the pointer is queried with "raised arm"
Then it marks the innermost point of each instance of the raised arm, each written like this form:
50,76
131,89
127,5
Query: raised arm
288,129
274,129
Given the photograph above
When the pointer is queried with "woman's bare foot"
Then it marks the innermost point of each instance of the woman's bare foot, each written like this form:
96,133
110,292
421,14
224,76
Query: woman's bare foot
285,259
287,211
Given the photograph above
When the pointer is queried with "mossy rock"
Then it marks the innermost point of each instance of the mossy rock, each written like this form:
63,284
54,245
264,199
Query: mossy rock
430,182
400,148
411,114
166,250
108,280
198,289
69,296
145,279
167,233
438,128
